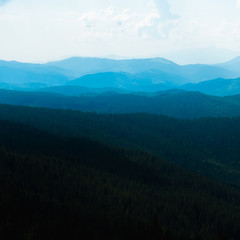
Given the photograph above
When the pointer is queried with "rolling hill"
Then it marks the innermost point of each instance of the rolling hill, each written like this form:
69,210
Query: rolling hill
23,75
73,90
54,187
190,73
145,81
232,65
216,87
174,103
209,146
102,149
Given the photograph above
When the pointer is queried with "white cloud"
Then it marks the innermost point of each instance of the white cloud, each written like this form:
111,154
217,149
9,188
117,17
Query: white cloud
43,29
96,18
89,19
238,3
2,2
107,24
163,9
104,17
159,23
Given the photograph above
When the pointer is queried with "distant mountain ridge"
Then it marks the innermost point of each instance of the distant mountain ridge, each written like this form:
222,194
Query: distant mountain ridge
86,65
151,74
191,73
173,103
216,87
232,65
26,75
148,81
73,90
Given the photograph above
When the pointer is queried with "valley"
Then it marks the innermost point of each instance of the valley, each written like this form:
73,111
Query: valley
140,149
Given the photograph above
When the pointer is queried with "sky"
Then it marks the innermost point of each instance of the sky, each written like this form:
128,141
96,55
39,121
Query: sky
185,31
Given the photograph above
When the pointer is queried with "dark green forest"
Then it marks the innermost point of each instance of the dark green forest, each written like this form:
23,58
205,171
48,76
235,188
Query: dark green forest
210,146
72,188
69,174
94,148
173,103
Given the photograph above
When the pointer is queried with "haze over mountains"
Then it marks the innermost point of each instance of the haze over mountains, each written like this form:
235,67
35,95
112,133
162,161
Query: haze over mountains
124,86
216,87
134,149
140,147
147,75
16,74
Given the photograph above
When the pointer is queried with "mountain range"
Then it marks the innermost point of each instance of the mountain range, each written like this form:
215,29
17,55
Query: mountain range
174,103
191,73
216,87
142,149
149,75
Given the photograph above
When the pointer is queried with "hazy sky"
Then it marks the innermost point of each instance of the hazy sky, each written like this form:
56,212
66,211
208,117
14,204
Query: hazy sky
41,30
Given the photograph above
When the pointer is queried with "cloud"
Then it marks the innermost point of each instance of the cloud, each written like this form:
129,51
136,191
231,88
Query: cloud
154,24
106,24
163,9
238,3
89,19
105,17
159,23
2,2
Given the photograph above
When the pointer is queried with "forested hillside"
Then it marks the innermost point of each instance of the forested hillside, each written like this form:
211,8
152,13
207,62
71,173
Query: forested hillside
209,146
119,120
58,187
113,162
173,103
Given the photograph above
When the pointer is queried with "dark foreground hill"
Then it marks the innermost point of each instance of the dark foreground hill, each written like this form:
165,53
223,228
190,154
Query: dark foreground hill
73,188
209,146
175,103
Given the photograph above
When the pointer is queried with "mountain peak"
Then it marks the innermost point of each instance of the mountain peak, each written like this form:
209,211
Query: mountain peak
162,60
235,60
